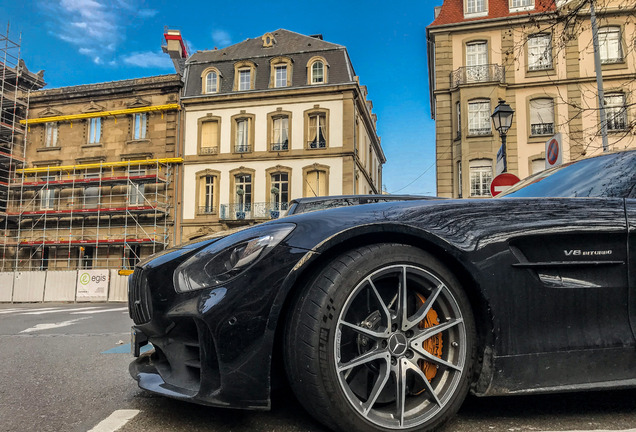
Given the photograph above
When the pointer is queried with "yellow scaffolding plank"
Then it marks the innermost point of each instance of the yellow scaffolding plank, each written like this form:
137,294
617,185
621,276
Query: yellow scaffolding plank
72,117
100,165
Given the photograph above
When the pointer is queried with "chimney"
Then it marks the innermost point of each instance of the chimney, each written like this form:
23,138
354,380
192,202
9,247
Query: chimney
175,48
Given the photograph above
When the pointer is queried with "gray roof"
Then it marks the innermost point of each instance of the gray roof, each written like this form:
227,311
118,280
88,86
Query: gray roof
299,48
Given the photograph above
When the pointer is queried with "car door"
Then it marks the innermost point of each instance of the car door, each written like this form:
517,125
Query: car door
630,207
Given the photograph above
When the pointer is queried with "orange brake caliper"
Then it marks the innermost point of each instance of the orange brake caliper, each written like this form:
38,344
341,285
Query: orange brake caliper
433,345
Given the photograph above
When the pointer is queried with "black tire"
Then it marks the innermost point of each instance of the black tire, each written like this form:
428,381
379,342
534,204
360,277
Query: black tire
345,351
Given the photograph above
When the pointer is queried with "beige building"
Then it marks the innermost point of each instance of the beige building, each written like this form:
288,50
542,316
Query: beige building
98,190
482,51
271,119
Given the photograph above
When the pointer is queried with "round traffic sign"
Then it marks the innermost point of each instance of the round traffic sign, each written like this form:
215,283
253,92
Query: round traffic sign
502,183
553,151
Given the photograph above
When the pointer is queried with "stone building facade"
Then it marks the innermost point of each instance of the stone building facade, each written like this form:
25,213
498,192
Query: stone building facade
270,119
521,51
103,167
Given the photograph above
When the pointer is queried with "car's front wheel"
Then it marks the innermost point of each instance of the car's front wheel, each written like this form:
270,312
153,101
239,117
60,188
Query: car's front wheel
381,339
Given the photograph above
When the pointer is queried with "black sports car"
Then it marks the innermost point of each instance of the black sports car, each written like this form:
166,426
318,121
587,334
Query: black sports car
383,316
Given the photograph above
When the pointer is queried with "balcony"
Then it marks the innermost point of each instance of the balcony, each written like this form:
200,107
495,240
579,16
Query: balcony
207,210
280,146
266,210
542,129
209,150
477,74
242,148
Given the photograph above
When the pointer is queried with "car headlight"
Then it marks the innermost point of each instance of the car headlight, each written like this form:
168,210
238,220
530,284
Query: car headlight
229,257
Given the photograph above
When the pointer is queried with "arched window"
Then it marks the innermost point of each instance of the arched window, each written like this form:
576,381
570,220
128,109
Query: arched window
211,82
317,71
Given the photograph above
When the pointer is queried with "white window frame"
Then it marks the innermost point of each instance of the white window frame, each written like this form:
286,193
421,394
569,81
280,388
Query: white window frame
542,116
280,128
140,125
606,36
211,82
209,193
521,5
244,201
475,8
315,76
477,53
136,190
47,196
50,134
282,197
280,76
91,193
459,179
479,118
458,109
540,52
242,135
480,177
616,111
245,84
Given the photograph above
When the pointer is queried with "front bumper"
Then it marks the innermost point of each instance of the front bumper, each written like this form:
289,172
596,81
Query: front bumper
212,346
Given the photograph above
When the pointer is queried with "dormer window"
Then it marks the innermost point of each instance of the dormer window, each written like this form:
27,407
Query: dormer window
244,79
280,76
268,40
317,71
521,5
244,75
280,72
475,8
210,81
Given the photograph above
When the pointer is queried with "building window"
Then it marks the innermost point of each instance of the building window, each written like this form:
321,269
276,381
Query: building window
477,69
521,5
542,116
91,194
318,72
211,82
242,134
50,139
94,130
139,126
47,196
316,183
208,195
280,191
280,133
459,119
479,118
616,112
539,52
538,165
610,45
86,254
209,137
317,129
280,76
245,79
480,177
243,194
136,190
459,179
475,7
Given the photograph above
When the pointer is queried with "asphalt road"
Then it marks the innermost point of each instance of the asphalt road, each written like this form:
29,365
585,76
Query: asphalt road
64,367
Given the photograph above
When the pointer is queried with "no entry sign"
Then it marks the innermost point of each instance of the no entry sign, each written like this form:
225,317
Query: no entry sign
502,183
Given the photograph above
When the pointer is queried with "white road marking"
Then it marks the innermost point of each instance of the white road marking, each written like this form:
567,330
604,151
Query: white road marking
49,326
598,430
8,311
100,311
59,310
30,310
115,421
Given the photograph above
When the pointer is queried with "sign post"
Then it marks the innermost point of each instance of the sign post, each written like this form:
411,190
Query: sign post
553,152
502,183
502,163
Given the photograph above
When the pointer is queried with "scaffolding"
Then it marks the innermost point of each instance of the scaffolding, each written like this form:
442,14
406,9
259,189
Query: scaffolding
16,83
99,215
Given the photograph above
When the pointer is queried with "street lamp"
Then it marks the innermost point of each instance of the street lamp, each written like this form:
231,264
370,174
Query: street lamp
502,119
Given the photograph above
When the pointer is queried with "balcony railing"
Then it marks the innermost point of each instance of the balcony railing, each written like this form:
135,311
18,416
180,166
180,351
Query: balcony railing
540,66
317,144
477,74
479,131
203,210
266,210
280,146
209,150
242,148
542,129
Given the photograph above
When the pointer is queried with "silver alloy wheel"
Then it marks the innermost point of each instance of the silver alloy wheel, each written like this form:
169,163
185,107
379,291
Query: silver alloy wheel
380,346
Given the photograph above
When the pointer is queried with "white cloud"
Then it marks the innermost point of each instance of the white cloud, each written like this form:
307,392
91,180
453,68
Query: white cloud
147,13
93,26
148,59
221,38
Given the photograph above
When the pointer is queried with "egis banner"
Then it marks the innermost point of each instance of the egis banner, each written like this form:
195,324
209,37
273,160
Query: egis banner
92,285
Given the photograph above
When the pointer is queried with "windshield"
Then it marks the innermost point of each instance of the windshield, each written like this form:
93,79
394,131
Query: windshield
612,175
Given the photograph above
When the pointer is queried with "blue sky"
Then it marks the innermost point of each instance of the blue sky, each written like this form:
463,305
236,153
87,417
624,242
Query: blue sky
88,41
